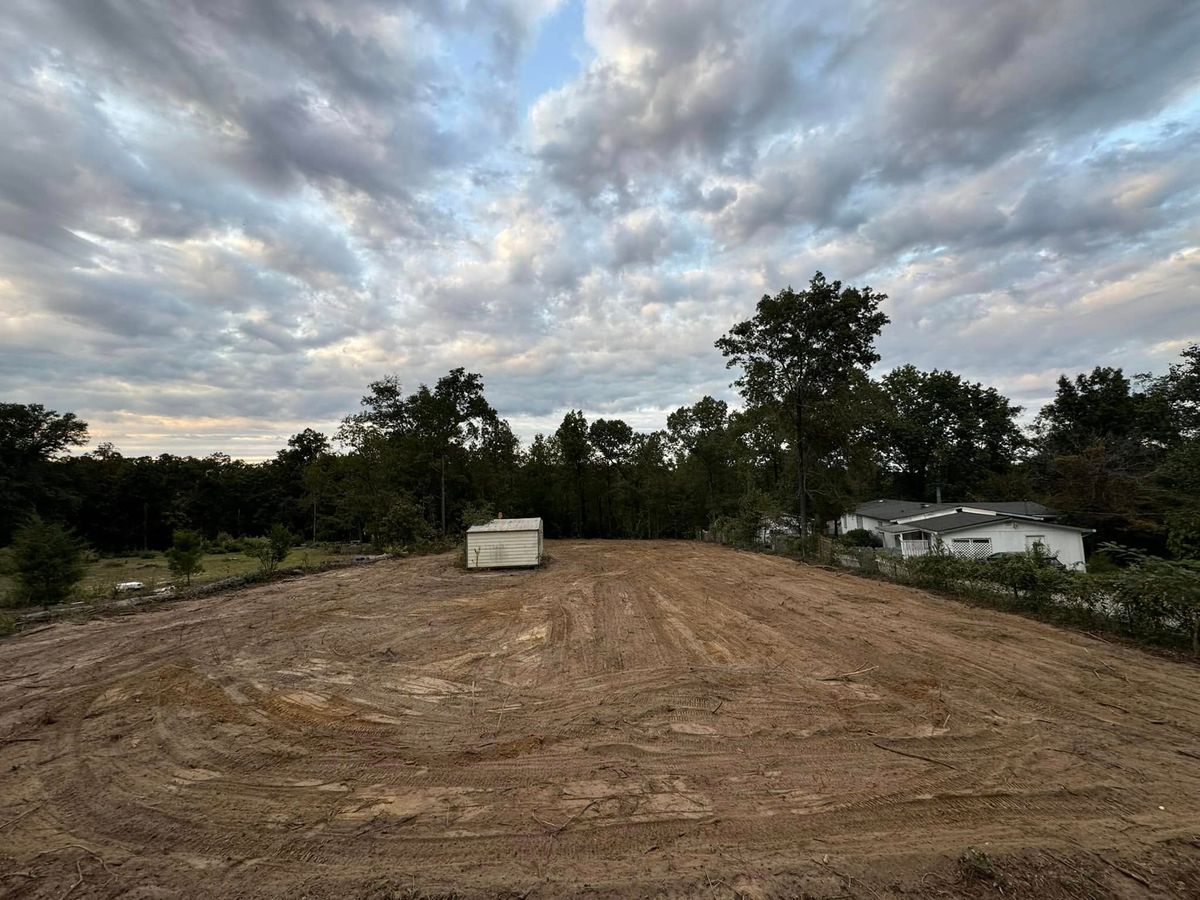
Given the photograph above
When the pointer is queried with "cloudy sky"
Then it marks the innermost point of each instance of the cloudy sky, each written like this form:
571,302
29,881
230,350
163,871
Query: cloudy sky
220,219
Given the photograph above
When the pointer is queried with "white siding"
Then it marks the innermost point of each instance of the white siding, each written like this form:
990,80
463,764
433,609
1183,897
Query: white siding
851,521
495,549
1010,537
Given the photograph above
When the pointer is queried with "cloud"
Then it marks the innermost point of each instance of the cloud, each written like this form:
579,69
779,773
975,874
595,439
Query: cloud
220,220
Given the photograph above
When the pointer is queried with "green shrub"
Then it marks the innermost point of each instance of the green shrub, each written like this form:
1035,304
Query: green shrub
477,514
400,524
8,624
187,549
1028,576
861,537
273,549
938,569
48,562
1156,594
1101,563
225,542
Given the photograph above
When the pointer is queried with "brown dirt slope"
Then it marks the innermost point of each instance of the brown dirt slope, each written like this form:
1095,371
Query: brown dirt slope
633,719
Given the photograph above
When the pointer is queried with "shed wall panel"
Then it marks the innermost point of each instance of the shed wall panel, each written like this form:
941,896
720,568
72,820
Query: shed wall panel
496,549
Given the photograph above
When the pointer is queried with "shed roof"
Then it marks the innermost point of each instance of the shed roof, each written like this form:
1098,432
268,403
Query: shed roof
507,525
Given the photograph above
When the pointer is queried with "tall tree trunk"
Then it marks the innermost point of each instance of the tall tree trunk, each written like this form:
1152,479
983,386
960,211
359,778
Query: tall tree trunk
801,475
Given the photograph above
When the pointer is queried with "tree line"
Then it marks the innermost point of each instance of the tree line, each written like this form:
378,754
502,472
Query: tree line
814,435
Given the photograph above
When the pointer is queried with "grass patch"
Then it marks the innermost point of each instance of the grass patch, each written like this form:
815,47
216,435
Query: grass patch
103,575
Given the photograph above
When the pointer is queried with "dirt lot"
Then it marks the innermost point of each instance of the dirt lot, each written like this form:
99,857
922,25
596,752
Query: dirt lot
633,719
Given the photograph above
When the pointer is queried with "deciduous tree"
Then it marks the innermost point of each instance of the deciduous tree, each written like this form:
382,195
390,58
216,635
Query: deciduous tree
798,347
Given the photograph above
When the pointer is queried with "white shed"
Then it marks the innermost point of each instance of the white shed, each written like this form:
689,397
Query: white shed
504,542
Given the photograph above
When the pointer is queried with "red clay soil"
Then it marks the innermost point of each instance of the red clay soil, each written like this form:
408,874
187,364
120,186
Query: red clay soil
633,719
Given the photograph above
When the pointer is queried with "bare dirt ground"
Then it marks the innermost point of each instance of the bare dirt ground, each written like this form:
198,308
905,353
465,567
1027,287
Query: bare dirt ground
634,719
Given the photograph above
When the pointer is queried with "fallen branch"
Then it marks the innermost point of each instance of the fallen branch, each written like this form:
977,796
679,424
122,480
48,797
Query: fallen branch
78,882
558,829
92,853
1126,872
21,816
846,675
1189,753
936,762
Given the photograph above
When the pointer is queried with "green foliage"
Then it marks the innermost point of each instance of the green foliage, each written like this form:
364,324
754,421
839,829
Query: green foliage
1183,533
187,549
941,428
225,542
48,562
273,549
755,508
939,569
796,352
400,524
1158,594
975,865
479,513
31,436
1028,576
8,624
861,537
1100,563
1120,454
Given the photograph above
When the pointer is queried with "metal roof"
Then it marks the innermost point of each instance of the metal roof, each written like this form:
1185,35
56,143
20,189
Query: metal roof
507,525
889,510
949,522
1011,507
886,510
957,520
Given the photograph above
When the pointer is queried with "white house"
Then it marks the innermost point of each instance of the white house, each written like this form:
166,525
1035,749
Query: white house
975,530
504,543
874,514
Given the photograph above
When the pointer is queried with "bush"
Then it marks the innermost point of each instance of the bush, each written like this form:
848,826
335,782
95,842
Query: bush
187,549
477,514
939,569
1157,594
1027,575
225,542
400,524
1101,564
273,549
48,563
861,537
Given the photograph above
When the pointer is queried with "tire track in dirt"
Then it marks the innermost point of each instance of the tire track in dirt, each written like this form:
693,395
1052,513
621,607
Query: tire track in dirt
486,730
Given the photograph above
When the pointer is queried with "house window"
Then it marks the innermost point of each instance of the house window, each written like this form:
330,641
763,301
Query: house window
1035,541
971,548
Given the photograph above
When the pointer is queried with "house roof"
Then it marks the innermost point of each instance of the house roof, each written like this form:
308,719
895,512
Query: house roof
886,510
948,522
889,510
507,525
1011,507
958,520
